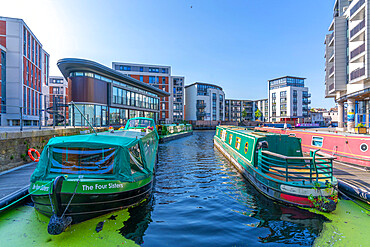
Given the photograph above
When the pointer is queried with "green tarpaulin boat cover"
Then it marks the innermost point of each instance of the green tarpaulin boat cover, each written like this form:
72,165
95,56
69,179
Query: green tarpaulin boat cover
102,156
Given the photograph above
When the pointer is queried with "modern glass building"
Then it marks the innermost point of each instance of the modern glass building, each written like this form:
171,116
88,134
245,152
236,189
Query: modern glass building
105,96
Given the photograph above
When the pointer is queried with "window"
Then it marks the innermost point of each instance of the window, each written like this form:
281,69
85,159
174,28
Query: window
237,143
317,141
246,148
82,160
163,70
151,79
141,78
223,135
141,69
230,139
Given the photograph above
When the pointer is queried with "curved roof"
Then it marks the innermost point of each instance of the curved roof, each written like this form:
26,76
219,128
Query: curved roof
204,83
68,65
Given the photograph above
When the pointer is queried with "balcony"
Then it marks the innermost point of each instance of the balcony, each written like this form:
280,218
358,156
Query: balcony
201,105
331,38
357,73
201,114
331,70
358,50
357,6
331,87
306,95
357,28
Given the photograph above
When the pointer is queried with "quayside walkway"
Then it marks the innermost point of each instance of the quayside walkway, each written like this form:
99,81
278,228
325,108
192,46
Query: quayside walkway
14,183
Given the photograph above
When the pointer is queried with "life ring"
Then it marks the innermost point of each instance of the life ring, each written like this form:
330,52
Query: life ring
31,156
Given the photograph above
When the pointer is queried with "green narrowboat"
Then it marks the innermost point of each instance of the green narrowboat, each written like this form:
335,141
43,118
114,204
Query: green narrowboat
275,165
169,132
84,176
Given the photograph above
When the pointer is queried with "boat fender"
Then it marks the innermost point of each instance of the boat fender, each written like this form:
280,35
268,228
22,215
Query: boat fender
57,225
31,156
328,206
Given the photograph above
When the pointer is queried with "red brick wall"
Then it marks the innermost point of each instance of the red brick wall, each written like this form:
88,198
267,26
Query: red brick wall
3,32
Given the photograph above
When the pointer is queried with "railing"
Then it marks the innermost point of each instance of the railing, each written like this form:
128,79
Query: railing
357,28
201,105
331,38
331,54
331,70
317,167
357,73
357,6
200,114
358,50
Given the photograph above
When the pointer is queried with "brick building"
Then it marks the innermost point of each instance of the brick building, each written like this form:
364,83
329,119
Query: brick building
24,73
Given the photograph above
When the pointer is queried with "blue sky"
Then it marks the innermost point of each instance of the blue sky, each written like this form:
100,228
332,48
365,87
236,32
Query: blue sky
238,45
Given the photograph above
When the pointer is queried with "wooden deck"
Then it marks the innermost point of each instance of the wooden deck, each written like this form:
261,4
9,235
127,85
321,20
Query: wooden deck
14,183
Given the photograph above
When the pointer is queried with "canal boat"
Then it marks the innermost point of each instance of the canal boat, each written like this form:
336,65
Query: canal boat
349,148
84,176
275,165
169,132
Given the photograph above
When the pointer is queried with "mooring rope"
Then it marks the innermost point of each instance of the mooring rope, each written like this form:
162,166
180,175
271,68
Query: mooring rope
20,199
65,210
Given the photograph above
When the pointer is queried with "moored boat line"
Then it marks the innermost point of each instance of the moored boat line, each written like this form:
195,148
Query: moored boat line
275,165
168,132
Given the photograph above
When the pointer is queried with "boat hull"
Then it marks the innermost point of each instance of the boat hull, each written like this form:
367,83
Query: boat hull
91,204
346,148
271,188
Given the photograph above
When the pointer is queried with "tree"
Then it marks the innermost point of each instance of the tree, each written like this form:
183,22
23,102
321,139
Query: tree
244,113
258,114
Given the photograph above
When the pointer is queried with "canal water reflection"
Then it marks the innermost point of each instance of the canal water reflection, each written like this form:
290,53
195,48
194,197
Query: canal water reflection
200,199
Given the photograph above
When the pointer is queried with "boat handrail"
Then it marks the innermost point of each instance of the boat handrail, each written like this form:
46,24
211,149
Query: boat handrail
291,168
286,157
325,155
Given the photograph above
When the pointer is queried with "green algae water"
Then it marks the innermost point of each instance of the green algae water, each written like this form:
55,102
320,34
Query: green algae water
199,199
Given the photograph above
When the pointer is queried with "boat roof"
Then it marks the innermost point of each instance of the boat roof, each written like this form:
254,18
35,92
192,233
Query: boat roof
246,131
122,138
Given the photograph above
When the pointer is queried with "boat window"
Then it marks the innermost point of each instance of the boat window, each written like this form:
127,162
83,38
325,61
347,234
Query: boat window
223,135
230,139
217,132
246,148
136,162
237,143
317,141
291,134
82,160
139,123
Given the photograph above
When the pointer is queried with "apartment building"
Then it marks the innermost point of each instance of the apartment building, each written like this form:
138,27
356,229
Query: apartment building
24,73
58,94
204,102
178,98
239,110
158,76
288,99
347,62
263,106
